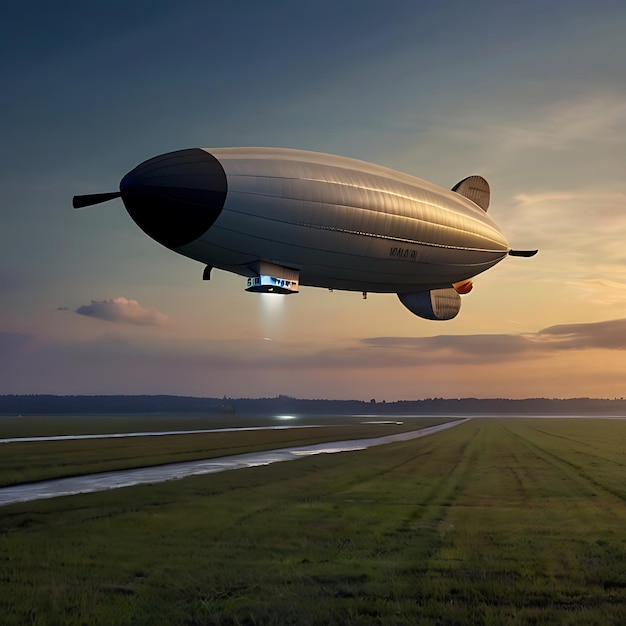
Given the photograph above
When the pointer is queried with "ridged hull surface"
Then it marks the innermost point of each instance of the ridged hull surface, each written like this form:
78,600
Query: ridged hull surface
345,224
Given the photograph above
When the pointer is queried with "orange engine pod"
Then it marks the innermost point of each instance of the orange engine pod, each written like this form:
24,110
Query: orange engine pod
463,287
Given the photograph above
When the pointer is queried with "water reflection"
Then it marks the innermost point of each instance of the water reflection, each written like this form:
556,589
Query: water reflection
154,433
147,475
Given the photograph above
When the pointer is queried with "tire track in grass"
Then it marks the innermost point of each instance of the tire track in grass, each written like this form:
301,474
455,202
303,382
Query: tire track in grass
427,526
418,566
334,493
336,535
569,468
452,485
482,567
587,447
408,544
514,461
443,492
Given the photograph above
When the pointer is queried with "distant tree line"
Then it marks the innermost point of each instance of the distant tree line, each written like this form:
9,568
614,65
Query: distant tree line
108,405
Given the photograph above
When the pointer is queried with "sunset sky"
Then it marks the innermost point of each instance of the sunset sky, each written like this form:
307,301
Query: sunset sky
531,95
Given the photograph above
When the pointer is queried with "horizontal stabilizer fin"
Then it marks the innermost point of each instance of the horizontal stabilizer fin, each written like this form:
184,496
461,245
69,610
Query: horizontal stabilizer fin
523,252
476,189
436,304
79,202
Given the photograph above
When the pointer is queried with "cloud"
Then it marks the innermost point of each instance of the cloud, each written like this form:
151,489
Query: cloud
489,364
122,310
457,348
570,123
609,335
485,348
266,358
579,234
602,292
607,284
609,203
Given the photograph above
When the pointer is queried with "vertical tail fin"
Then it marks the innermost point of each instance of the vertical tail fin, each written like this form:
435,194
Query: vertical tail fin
476,189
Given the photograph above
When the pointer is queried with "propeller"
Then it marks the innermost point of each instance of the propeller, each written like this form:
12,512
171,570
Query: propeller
79,202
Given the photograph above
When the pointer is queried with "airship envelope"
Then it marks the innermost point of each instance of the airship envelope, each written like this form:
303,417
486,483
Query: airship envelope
285,218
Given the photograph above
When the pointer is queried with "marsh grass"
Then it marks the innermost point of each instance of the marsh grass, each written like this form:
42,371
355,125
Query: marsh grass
494,522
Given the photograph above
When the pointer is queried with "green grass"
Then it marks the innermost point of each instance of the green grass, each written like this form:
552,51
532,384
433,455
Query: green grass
49,425
22,462
497,521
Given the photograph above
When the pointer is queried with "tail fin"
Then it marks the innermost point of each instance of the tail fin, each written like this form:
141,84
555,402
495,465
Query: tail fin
476,189
523,252
436,304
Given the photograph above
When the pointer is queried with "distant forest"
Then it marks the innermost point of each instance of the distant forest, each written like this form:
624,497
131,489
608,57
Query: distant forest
112,405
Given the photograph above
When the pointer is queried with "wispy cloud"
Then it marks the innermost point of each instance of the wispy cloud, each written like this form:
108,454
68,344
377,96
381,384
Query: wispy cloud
609,335
123,310
455,348
466,349
610,203
579,232
602,292
483,361
568,123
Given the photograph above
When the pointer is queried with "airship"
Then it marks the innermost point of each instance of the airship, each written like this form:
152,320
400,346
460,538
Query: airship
284,218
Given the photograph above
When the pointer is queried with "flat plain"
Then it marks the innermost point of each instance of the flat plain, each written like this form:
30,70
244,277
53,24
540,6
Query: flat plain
29,461
496,521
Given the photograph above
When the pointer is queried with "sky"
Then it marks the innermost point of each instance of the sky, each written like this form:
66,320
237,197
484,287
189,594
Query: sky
530,95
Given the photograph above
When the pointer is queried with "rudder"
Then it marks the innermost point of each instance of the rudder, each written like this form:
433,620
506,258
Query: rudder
476,189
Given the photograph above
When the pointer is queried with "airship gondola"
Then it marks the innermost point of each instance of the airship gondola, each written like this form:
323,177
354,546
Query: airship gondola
283,218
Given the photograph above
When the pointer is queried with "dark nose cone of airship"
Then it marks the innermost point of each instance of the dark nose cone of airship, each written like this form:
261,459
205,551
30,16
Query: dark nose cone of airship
175,198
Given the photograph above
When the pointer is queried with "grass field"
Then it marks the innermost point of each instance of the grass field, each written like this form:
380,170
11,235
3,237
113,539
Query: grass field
497,521
22,462
47,425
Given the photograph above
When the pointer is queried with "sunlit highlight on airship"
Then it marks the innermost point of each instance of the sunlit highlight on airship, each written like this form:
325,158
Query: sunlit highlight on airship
282,218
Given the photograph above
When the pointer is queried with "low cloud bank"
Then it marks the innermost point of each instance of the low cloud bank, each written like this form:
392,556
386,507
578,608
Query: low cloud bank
123,310
609,335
